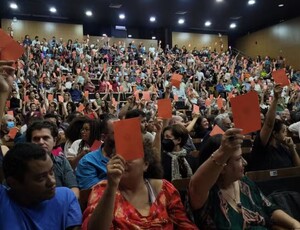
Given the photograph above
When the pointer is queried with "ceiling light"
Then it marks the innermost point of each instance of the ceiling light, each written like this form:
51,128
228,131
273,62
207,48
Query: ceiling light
52,9
251,2
152,19
153,37
104,35
207,23
13,6
129,35
180,21
122,16
232,25
219,0
281,5
89,13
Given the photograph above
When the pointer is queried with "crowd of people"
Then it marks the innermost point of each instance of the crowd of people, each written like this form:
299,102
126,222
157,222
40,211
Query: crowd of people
61,99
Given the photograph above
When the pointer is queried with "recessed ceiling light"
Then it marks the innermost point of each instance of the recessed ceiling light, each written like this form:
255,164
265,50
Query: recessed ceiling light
13,6
281,5
153,37
219,0
180,21
104,35
251,2
129,35
122,16
52,10
89,13
152,19
232,25
207,23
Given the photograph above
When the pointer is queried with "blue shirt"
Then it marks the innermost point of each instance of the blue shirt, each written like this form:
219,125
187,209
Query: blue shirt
91,169
59,213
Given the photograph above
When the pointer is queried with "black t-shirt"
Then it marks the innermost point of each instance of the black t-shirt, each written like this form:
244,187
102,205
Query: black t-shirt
269,157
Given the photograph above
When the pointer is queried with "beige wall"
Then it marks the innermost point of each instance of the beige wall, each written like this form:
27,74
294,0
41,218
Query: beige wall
43,29
191,40
280,40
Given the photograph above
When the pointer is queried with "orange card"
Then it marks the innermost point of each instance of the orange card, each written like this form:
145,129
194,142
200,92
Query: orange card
164,109
114,102
86,94
104,67
121,88
207,102
196,109
137,95
26,98
80,108
176,80
60,98
96,145
216,130
280,77
146,95
10,112
246,112
50,97
220,102
128,138
13,132
10,49
230,95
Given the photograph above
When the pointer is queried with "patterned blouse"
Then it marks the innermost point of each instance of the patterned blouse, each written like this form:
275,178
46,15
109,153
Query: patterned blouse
256,210
166,212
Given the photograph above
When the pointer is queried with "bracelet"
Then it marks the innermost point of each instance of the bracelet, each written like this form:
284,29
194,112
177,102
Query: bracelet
216,162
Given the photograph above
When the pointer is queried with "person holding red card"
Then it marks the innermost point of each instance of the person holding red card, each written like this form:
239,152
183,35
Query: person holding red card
133,197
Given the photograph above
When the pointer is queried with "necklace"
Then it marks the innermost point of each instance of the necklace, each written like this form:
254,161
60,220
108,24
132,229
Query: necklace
233,198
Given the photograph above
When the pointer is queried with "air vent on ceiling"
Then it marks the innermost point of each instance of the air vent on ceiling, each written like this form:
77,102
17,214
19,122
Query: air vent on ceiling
181,12
115,6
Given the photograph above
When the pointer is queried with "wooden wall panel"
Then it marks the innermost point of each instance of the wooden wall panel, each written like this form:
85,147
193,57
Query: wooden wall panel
279,40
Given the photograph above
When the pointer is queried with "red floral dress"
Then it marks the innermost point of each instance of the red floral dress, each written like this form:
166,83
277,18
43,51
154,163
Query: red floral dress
167,211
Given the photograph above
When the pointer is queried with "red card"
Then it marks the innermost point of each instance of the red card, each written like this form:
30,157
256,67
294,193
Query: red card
246,112
128,138
50,97
26,98
176,80
121,88
220,102
280,77
207,102
10,49
86,94
13,132
80,108
110,87
137,95
60,98
146,95
196,109
216,130
96,145
164,109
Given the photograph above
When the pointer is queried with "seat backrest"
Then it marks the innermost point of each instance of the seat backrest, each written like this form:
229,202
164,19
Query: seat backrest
288,201
263,175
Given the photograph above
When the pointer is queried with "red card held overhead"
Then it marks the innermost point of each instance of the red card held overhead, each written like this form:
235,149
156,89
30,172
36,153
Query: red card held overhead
96,145
146,95
164,108
80,108
216,130
10,49
86,94
280,77
220,102
176,80
246,112
128,138
196,109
